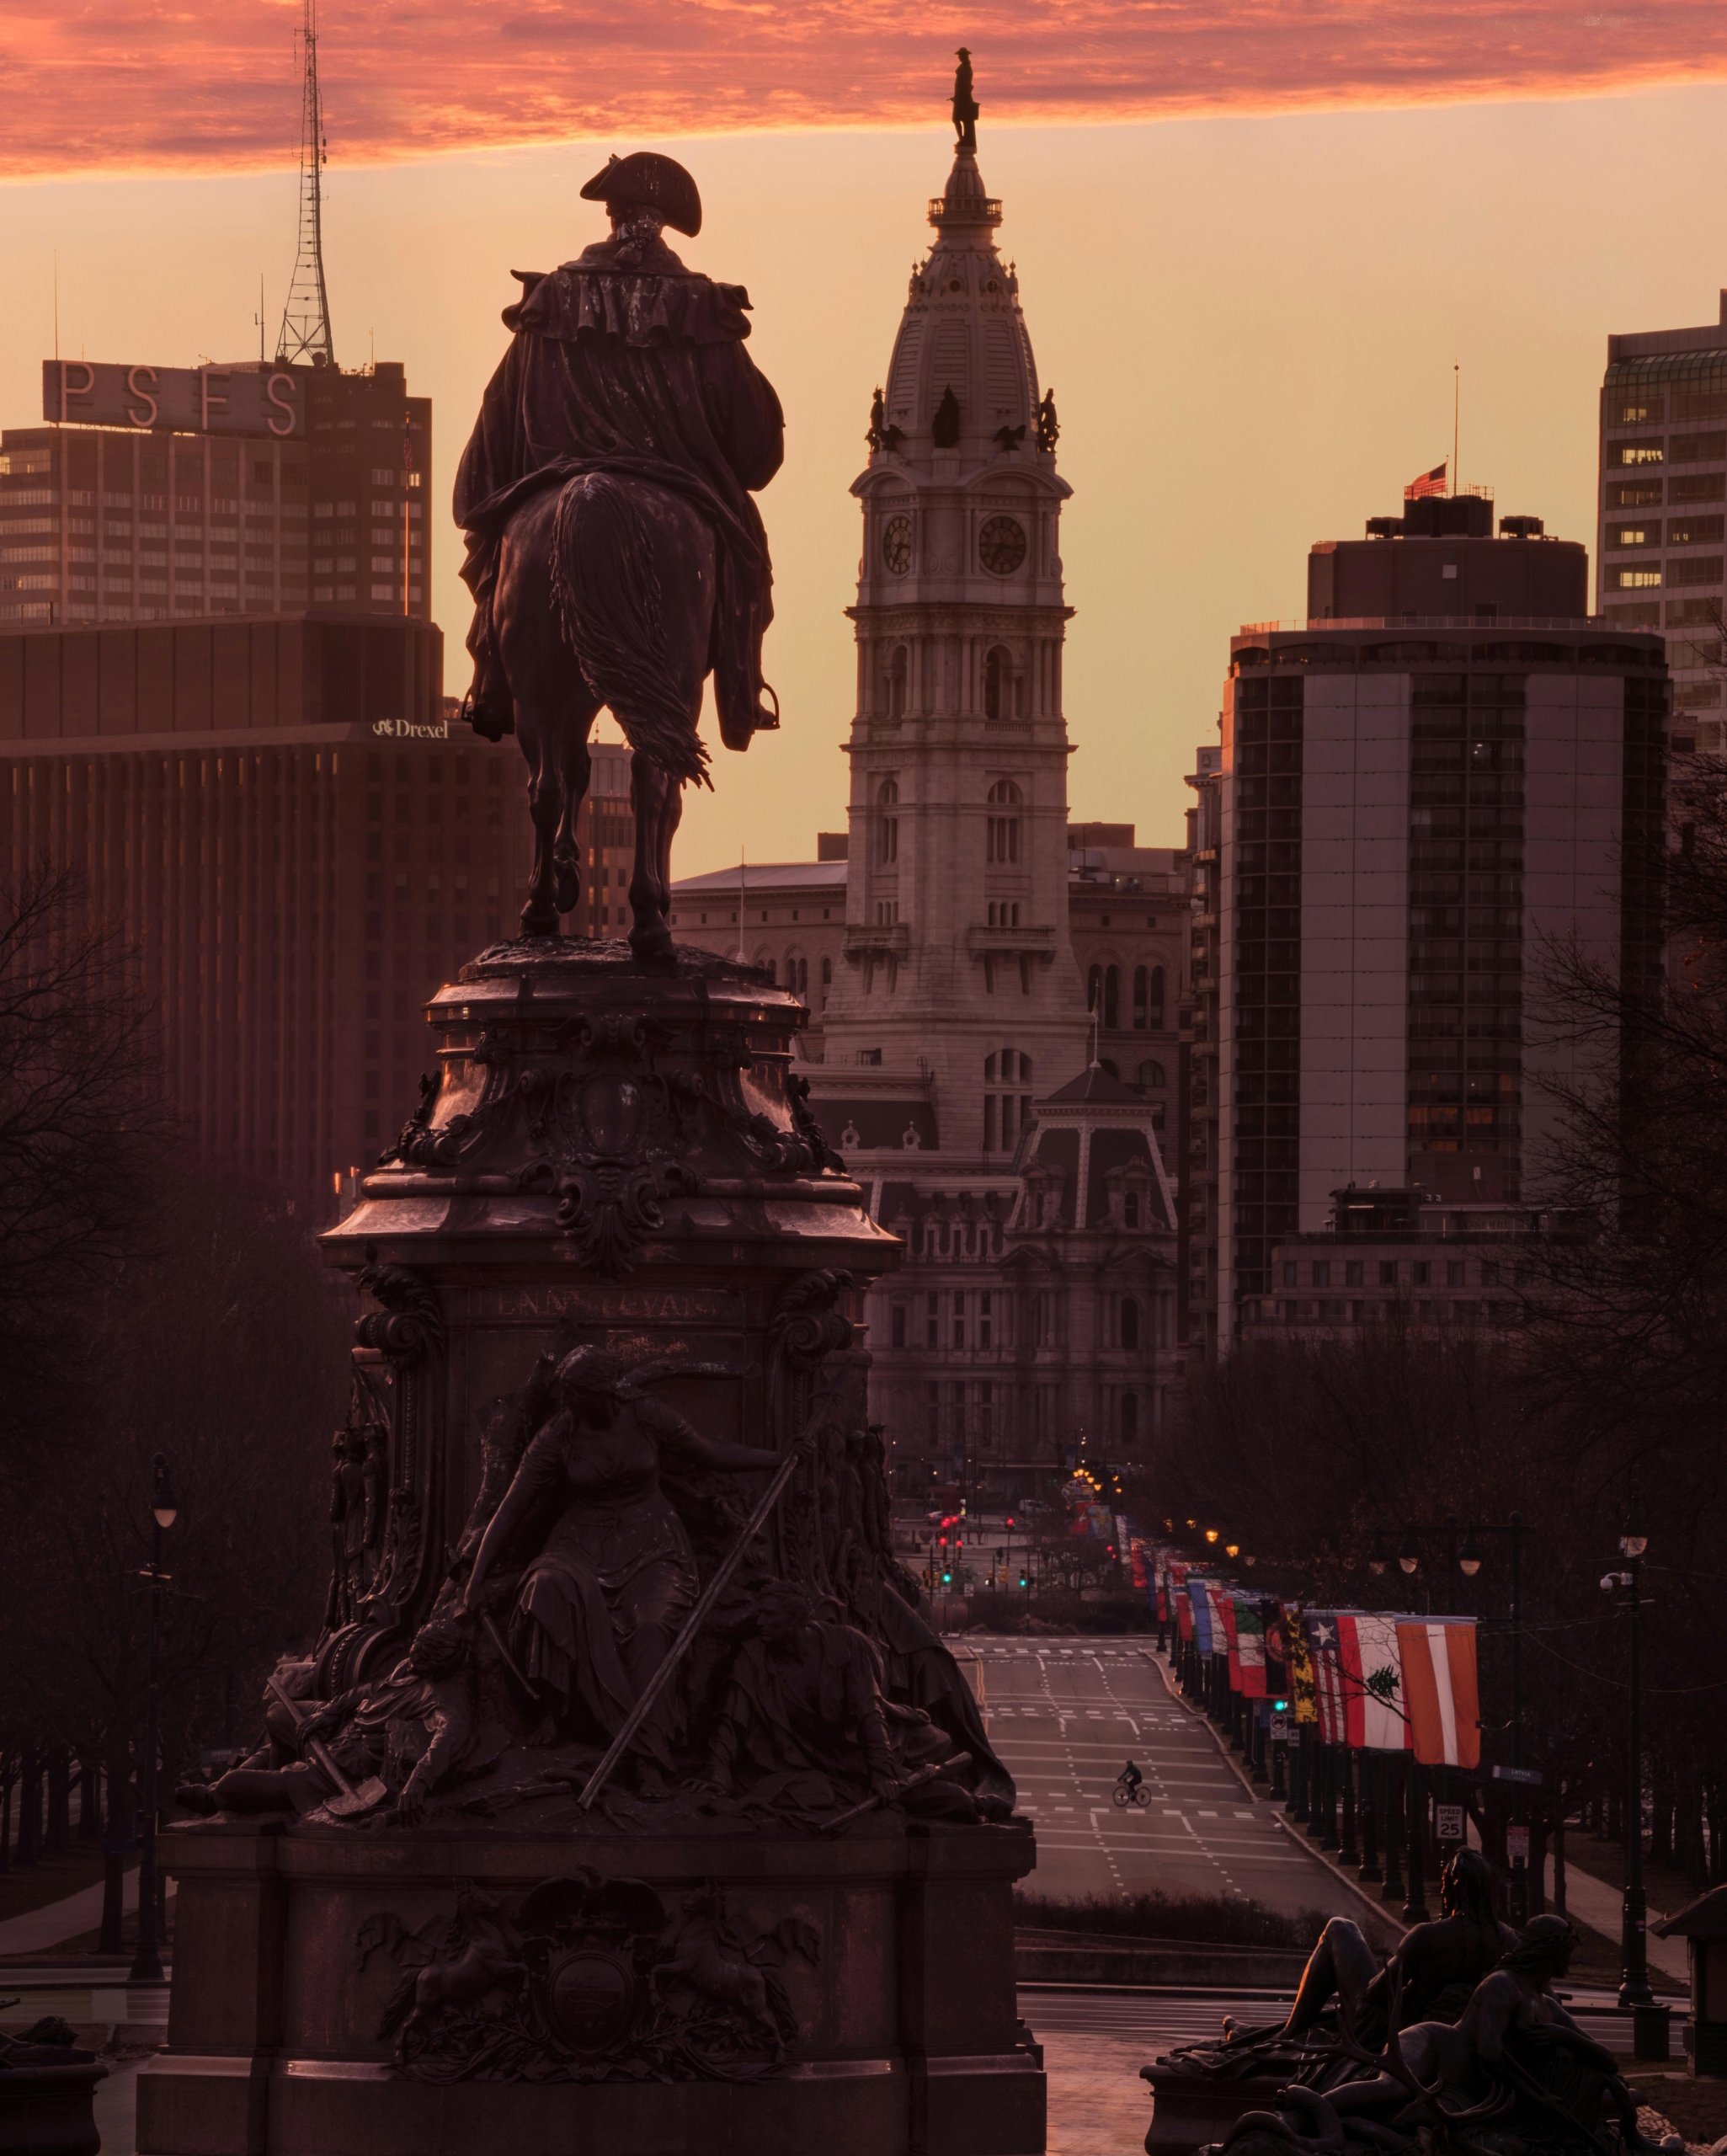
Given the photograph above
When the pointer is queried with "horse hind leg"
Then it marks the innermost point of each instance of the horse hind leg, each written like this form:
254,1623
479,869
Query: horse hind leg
576,771
657,800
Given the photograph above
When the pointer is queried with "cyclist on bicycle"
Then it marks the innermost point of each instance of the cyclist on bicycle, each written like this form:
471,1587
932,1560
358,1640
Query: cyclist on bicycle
1130,1778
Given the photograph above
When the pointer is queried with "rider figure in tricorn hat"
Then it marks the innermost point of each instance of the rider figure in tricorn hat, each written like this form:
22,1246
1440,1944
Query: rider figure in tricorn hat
624,361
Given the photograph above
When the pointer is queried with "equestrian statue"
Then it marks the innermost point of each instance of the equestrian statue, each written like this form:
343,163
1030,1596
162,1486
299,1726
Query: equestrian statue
614,553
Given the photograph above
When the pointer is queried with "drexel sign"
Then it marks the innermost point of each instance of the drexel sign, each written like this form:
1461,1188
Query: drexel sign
404,729
175,400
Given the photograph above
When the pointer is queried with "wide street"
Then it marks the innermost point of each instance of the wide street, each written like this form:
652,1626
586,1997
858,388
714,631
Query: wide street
1066,1715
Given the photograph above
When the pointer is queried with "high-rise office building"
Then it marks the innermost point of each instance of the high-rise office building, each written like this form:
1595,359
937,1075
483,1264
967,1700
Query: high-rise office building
283,818
158,494
1402,814
1663,496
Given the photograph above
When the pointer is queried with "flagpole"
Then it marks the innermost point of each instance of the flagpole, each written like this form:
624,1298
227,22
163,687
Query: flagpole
1457,393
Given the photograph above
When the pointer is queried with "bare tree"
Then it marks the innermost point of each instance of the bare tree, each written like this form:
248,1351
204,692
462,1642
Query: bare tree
80,1121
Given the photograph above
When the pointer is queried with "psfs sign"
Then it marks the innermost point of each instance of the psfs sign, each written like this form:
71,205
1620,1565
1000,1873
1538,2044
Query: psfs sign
206,400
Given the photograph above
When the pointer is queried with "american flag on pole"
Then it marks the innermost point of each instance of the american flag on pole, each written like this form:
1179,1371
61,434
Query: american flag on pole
1429,482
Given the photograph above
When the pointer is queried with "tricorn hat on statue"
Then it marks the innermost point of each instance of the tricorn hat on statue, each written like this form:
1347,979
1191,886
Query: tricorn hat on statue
646,180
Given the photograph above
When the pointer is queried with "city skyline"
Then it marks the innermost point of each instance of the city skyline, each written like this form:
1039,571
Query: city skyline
1235,379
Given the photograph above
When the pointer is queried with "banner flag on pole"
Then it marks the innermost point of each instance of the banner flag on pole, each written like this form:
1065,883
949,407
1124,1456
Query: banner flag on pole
1277,1650
1202,1605
1182,1600
1216,1598
1303,1700
1135,1561
1333,1684
1438,1657
1385,1722
1250,1646
1226,1610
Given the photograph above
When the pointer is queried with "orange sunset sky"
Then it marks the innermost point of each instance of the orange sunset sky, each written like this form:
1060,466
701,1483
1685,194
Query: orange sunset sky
1252,240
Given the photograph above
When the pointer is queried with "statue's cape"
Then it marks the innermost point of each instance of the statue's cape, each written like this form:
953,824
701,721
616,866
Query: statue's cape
640,309
634,367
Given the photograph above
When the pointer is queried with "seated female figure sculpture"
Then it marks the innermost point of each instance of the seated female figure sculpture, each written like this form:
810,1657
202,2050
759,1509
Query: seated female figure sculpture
601,1602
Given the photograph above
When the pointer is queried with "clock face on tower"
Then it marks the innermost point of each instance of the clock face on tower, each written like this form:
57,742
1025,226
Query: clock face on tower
1001,546
896,545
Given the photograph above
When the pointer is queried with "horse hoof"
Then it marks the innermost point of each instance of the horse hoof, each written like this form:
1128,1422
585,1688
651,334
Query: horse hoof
535,923
653,948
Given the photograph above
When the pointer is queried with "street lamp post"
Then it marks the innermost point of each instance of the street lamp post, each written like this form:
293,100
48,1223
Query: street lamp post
1469,1563
1633,1943
164,1508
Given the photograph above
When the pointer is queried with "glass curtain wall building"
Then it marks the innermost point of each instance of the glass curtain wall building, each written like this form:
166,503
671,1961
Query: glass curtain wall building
1663,507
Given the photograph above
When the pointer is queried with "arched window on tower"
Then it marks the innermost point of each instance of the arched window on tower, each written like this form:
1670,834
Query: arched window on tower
797,973
1141,978
998,683
1112,998
887,800
1157,999
899,673
1005,1113
1129,1326
1002,842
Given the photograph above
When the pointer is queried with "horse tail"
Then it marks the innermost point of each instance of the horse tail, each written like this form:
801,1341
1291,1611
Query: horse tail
607,592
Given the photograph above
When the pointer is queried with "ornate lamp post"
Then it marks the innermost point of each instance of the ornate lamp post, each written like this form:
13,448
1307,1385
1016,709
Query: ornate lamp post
164,1509
1634,1945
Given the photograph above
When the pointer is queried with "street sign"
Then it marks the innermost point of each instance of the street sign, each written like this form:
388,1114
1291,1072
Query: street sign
1518,1844
1525,1774
1450,1817
1279,1729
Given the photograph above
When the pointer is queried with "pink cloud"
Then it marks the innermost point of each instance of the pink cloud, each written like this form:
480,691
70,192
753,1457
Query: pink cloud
148,84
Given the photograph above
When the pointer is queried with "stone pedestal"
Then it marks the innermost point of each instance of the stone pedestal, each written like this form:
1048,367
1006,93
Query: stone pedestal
906,2033
614,1159
604,1155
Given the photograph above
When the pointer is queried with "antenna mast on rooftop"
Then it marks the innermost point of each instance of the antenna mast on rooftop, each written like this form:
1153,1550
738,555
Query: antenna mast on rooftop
305,319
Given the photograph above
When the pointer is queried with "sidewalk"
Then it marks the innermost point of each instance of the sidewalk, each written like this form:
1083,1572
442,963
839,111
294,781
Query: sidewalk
70,1917
1593,1902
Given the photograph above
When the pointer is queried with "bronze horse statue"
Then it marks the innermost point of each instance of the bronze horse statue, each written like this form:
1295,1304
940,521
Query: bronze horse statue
615,554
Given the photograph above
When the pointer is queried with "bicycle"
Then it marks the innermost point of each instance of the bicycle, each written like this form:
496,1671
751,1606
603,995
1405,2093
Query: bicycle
1131,1793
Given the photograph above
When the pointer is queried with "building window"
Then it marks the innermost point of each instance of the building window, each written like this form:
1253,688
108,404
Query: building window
1455,1271
1002,834
1352,1276
887,799
897,1325
1128,1324
1151,1074
1111,999
1490,1273
1419,1273
932,1317
1291,1274
1387,1273
998,683
1130,1209
986,1320
1322,1272
898,669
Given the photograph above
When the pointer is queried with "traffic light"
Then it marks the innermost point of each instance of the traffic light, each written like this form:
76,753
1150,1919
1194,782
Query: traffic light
1279,1706
947,1579
1022,1579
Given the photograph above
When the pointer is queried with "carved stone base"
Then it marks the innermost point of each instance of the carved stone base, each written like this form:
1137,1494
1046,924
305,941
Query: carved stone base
395,1994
